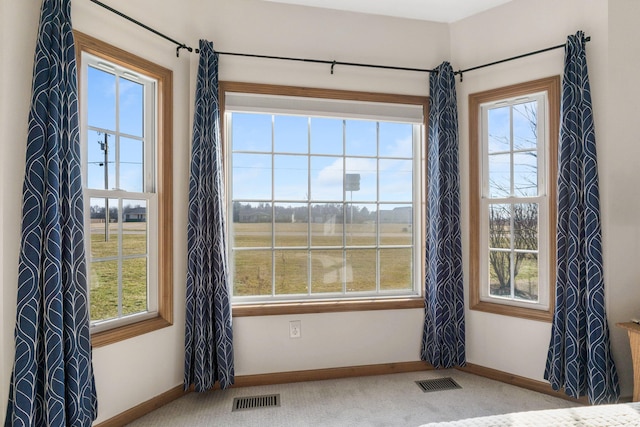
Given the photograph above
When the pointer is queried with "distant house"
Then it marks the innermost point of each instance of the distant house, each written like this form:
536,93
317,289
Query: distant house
135,215
400,215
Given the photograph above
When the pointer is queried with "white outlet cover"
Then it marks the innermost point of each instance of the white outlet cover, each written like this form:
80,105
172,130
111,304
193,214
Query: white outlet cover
295,329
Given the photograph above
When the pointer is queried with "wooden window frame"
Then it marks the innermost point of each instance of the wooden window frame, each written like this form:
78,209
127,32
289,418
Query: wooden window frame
335,305
550,85
164,184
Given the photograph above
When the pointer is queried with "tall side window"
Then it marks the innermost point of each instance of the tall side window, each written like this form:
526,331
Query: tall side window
513,137
325,196
125,116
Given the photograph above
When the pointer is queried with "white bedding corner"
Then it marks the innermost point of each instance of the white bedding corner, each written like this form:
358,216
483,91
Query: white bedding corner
619,415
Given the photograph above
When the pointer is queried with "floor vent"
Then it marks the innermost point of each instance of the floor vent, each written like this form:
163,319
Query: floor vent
254,402
438,384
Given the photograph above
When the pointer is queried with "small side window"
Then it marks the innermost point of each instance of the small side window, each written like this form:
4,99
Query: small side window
125,116
513,136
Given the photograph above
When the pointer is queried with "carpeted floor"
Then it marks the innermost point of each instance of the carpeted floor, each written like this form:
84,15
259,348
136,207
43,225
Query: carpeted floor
386,400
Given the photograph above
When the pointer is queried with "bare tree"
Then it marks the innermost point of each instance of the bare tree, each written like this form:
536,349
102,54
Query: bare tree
515,225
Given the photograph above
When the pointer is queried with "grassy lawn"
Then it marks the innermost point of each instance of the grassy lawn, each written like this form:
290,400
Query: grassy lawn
331,269
104,274
325,270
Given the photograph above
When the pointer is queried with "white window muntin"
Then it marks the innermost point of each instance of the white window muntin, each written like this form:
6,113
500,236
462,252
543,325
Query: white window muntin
541,199
147,195
313,107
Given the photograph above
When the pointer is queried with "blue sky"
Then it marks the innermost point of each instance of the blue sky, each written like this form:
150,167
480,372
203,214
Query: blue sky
252,145
524,140
101,101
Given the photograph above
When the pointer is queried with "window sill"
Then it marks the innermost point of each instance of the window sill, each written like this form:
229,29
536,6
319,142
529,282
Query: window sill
306,307
100,339
513,311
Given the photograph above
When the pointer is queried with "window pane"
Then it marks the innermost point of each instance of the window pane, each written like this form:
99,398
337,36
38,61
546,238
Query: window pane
525,120
525,224
360,270
131,165
134,286
291,177
98,160
251,132
500,273
498,129
131,107
361,138
134,227
292,222
396,224
327,272
396,268
396,180
252,176
104,228
252,272
525,173
101,99
360,224
499,175
326,178
291,272
326,226
251,225
526,276
103,290
364,174
326,136
291,134
500,226
396,140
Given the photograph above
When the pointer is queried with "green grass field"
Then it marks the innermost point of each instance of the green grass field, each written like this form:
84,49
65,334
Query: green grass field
327,268
104,274
324,269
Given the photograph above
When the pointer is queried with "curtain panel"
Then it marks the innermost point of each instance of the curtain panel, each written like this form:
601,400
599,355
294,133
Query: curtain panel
443,339
208,332
579,358
52,382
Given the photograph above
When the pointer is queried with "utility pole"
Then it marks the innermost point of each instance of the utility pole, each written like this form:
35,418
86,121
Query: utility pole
105,147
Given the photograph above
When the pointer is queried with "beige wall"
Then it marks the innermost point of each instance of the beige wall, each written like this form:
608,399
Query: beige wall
135,370
520,346
18,29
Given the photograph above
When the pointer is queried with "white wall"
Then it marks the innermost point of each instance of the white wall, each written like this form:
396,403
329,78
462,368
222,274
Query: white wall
520,346
620,189
136,370
343,339
19,26
261,344
133,371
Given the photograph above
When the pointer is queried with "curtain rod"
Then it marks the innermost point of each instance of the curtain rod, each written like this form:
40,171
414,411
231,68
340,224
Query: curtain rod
146,27
322,61
524,55
325,61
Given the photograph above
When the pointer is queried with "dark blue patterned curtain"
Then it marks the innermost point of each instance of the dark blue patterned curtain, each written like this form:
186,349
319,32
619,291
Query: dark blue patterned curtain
52,382
443,336
209,337
579,358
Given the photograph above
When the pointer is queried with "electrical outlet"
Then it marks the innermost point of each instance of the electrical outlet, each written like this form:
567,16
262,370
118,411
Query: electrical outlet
295,329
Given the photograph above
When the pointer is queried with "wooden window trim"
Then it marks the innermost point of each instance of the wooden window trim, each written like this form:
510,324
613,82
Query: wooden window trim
551,85
332,306
164,183
335,305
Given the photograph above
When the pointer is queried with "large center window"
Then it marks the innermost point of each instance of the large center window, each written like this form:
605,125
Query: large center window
324,197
